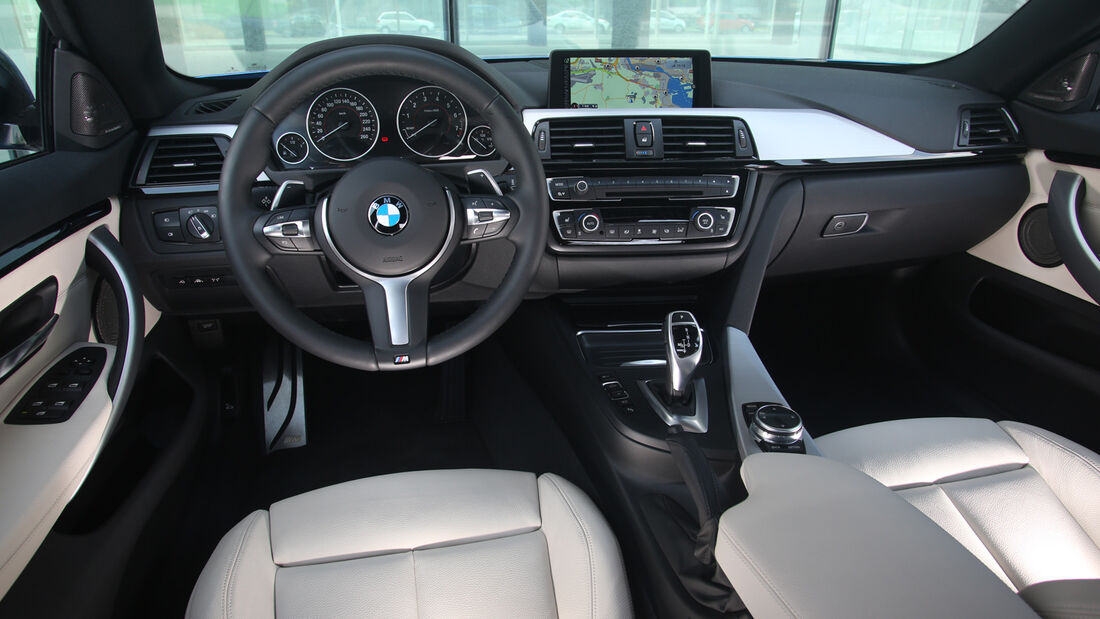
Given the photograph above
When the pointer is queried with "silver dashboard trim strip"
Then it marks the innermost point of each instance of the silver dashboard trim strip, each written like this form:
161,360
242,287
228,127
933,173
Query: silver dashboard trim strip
786,136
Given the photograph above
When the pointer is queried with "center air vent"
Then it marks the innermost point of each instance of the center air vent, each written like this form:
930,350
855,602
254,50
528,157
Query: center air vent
211,107
596,138
179,160
699,137
986,126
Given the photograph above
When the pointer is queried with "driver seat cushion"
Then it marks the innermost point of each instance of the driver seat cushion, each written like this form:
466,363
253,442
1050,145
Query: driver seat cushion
1025,501
451,543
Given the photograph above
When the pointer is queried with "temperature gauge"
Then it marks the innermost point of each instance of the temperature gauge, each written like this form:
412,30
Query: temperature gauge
481,141
291,148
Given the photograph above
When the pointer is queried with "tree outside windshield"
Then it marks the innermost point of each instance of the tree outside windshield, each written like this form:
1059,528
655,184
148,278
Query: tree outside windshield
212,37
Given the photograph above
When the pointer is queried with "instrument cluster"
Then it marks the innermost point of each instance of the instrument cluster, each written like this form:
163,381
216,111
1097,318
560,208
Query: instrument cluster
381,117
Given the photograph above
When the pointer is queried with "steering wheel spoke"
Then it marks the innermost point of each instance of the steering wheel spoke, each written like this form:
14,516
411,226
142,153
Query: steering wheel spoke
397,309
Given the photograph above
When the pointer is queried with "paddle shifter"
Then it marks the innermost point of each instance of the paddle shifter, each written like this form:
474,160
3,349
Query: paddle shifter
683,352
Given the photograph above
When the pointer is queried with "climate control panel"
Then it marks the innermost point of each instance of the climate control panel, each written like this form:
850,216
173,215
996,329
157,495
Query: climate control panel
600,226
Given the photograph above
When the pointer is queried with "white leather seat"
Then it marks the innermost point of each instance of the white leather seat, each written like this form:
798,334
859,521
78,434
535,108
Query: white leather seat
454,543
1024,501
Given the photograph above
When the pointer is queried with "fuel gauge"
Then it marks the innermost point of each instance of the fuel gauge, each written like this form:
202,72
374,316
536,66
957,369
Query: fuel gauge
291,148
481,141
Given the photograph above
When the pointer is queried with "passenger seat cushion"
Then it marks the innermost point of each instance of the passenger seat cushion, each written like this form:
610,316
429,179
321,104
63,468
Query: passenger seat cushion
1024,501
919,452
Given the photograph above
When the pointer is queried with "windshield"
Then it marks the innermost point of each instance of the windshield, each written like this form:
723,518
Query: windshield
215,37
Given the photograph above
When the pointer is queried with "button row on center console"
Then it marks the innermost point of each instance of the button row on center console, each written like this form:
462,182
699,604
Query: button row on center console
588,225
614,187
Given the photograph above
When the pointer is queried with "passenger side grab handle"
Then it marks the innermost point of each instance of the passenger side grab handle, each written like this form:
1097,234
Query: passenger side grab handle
1075,227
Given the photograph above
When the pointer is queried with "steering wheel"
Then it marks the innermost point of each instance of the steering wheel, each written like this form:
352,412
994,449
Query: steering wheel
388,224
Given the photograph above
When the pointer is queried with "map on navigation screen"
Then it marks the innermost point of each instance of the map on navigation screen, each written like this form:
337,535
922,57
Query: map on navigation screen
649,82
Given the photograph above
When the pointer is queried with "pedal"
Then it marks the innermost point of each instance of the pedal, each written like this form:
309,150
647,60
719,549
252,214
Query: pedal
284,401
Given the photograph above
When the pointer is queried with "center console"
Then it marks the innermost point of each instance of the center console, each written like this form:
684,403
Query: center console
636,160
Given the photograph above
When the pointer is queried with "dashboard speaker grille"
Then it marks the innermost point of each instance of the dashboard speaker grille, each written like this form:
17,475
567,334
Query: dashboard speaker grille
211,107
183,160
597,138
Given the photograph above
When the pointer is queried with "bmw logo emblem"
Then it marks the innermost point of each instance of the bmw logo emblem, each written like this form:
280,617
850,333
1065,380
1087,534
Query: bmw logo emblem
388,215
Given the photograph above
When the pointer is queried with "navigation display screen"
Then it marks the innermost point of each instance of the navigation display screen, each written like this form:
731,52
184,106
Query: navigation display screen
630,79
625,82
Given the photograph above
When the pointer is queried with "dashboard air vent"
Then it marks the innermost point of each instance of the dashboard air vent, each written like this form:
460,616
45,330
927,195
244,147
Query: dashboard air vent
699,138
211,107
986,126
590,138
181,160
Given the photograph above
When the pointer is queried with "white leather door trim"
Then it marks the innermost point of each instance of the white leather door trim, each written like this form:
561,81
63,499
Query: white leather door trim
1003,248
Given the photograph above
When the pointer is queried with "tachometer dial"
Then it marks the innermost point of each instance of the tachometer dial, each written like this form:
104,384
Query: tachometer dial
291,148
431,122
342,124
481,141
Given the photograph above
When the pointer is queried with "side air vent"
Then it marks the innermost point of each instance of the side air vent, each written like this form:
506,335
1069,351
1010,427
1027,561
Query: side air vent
213,106
183,160
986,126
596,138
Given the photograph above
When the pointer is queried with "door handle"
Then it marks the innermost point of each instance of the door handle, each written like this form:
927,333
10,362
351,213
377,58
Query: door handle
23,351
1075,227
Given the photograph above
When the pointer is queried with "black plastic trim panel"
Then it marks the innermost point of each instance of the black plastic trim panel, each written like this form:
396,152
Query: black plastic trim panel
35,245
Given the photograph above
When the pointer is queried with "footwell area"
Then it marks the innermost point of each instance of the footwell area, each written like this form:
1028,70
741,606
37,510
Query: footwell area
841,351
475,412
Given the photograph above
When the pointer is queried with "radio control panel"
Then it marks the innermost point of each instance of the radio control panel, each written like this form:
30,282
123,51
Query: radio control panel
617,188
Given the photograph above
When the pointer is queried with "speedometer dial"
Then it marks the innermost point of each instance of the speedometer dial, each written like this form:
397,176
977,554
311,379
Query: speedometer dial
431,122
342,124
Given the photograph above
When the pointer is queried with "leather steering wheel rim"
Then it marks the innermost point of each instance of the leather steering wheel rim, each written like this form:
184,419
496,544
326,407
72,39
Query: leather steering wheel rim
249,153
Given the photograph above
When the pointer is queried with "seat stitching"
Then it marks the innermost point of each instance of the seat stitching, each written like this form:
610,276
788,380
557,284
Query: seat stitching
758,571
588,547
227,606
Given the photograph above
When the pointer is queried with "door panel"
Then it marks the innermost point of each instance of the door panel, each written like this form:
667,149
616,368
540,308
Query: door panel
1003,247
42,466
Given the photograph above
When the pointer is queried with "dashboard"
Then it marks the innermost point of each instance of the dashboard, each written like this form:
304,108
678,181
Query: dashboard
380,117
643,189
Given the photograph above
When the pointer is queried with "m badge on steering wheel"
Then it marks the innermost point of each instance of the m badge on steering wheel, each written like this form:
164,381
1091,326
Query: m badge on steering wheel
388,215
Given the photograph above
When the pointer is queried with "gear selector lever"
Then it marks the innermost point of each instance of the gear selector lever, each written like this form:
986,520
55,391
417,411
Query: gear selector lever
683,352
680,399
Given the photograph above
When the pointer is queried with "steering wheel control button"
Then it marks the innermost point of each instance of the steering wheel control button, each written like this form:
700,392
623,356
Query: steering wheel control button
485,217
388,215
843,225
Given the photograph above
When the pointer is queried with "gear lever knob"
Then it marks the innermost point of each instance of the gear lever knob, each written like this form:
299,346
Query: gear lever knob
683,350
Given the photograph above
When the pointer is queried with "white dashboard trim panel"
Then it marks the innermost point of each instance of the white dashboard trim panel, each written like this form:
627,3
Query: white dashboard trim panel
787,136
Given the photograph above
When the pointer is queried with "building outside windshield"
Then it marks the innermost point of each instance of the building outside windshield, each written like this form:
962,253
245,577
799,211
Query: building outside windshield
216,37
